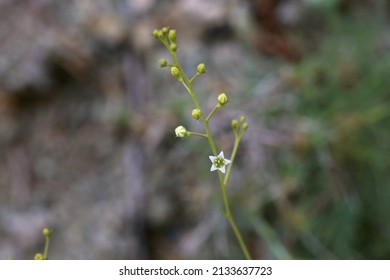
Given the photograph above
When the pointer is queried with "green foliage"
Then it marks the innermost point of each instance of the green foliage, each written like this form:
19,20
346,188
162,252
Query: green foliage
342,159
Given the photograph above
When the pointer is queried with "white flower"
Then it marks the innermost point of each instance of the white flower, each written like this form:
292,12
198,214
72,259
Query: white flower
181,131
219,162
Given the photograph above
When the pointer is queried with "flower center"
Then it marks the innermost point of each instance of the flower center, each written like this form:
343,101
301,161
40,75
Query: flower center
219,162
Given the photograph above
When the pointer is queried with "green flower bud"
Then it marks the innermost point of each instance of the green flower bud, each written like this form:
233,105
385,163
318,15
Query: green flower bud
160,35
46,232
164,30
222,99
242,119
181,131
245,126
172,35
173,47
175,72
163,63
201,68
38,257
196,114
234,124
155,33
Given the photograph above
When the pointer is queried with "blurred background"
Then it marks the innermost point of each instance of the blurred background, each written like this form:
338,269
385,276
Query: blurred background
87,119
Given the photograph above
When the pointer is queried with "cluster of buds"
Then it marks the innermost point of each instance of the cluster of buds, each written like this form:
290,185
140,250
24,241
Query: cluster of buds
241,126
168,38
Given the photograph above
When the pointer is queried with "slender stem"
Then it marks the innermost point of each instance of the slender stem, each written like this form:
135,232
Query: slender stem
46,251
185,86
197,134
210,138
187,83
233,156
186,80
212,112
194,77
229,215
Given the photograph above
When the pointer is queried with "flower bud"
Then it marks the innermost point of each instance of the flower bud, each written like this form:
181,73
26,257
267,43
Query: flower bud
173,47
201,68
160,35
46,232
245,126
164,30
181,131
172,35
242,119
234,124
175,72
38,257
196,114
222,99
163,63
155,33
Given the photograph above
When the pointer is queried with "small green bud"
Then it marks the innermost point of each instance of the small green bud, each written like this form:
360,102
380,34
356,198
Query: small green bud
222,99
234,124
201,68
196,114
46,232
164,30
160,35
172,35
242,119
245,126
181,131
38,257
175,72
163,63
173,47
155,33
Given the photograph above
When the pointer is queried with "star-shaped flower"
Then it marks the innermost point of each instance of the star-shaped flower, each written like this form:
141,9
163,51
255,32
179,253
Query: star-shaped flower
219,162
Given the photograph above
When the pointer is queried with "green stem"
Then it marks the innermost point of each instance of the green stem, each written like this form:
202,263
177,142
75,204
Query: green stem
197,134
235,228
187,83
194,77
229,216
46,251
233,156
212,112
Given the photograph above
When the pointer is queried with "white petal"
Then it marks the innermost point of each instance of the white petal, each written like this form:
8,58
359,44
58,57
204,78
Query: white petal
213,168
212,158
221,155
222,169
227,161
